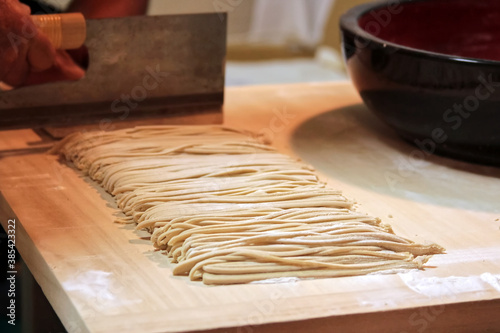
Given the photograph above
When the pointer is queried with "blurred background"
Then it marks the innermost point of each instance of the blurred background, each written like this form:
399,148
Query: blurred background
272,41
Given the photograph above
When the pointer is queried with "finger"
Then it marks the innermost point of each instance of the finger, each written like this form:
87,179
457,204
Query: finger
80,56
63,69
8,55
19,69
13,46
18,73
41,54
51,75
23,8
67,66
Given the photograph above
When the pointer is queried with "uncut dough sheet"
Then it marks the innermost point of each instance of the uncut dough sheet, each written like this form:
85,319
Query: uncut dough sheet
228,209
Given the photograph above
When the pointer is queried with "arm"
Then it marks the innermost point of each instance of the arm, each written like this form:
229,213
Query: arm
109,8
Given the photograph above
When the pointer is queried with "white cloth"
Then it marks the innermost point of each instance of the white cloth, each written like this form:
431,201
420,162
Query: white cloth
285,21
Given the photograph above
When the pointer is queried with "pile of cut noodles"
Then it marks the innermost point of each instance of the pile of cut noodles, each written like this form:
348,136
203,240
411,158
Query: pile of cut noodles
228,209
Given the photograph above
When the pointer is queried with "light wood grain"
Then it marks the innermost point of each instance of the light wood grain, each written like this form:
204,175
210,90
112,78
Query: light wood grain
102,277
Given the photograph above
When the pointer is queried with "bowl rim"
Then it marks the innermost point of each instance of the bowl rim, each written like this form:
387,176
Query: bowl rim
349,21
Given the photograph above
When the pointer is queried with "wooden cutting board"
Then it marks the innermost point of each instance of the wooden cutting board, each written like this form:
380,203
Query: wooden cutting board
104,277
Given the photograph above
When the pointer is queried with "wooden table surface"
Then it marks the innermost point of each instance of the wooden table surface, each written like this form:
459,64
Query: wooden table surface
103,277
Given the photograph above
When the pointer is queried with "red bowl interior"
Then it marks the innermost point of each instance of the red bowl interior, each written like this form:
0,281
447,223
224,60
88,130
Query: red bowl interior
464,28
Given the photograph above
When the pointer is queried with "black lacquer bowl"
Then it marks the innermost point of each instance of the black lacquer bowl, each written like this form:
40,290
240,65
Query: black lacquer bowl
431,70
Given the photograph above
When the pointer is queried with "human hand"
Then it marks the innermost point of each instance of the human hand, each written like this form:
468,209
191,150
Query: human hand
26,54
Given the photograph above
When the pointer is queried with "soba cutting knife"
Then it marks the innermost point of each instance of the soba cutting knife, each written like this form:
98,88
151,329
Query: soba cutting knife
139,67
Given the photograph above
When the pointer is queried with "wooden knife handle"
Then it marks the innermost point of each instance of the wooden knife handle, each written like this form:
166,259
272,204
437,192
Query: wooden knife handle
65,31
